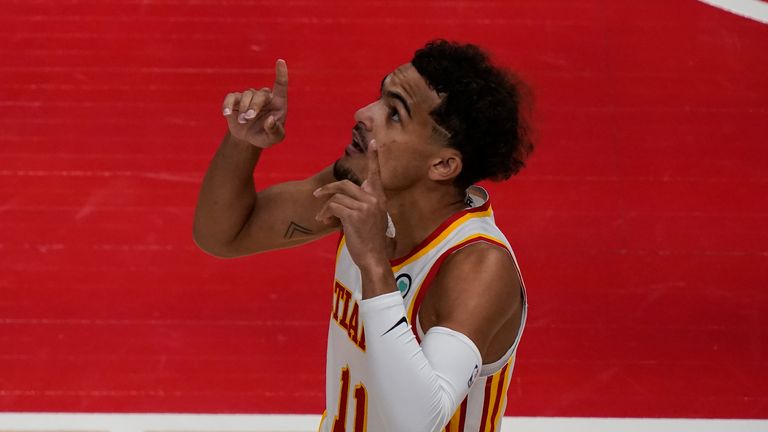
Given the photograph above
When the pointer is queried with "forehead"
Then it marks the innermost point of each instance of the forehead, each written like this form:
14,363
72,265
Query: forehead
407,81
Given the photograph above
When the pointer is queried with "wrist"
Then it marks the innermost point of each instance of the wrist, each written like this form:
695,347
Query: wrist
240,142
377,278
375,266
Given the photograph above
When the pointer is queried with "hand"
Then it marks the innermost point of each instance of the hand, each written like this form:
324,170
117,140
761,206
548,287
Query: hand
362,212
258,116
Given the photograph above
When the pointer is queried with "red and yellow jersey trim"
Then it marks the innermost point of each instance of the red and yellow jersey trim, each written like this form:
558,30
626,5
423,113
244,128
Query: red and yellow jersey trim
421,290
340,244
459,418
434,239
495,398
440,233
322,419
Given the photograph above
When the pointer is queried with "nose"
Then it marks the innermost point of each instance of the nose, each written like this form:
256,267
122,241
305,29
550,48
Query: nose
365,116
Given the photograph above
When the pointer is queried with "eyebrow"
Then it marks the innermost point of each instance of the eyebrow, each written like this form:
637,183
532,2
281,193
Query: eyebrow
395,95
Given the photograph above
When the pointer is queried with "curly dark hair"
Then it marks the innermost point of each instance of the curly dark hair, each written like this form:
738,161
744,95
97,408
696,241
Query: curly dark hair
486,109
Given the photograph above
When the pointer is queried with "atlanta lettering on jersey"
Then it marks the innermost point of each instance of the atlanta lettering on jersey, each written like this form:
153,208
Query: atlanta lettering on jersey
345,313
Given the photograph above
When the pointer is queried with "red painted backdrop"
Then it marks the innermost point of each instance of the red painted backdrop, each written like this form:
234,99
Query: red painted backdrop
641,223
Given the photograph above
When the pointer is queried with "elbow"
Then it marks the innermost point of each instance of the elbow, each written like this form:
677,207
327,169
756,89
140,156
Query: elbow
211,247
208,248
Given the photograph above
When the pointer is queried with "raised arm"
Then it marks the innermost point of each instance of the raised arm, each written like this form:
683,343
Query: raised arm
233,218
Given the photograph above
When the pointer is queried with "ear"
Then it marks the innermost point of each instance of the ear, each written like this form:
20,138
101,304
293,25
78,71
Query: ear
446,166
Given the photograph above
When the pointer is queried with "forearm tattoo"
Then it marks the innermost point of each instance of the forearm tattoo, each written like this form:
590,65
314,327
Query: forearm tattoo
295,229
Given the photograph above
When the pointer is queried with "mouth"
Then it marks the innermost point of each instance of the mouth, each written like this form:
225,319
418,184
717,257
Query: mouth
357,146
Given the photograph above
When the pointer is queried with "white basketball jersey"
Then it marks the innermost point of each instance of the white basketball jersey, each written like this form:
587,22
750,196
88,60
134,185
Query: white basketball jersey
349,406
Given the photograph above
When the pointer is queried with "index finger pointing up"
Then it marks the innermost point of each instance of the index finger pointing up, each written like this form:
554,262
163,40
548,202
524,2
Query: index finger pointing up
280,88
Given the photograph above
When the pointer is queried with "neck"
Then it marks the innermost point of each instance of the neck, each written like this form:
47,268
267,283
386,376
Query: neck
416,214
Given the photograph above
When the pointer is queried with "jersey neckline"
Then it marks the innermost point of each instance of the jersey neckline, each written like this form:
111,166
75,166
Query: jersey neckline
484,205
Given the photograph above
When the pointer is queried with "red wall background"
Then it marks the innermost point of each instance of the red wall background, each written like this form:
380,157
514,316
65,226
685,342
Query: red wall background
641,223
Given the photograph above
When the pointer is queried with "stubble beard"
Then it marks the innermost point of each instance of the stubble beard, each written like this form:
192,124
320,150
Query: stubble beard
342,172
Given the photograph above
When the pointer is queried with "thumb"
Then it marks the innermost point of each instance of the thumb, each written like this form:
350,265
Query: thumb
274,129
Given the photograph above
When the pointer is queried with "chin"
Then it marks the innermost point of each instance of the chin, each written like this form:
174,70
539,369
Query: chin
343,171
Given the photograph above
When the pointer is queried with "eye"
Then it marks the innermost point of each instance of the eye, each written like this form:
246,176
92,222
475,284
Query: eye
394,115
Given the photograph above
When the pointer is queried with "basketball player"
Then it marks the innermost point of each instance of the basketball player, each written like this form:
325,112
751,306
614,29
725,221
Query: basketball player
428,303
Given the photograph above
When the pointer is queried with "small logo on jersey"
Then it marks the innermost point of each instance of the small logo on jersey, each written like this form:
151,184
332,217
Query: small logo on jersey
472,378
403,283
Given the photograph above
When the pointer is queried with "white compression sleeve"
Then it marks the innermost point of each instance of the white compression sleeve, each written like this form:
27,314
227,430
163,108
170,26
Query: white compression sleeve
417,388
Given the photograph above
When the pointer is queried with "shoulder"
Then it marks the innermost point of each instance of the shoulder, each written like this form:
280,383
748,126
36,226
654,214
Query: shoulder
480,268
477,290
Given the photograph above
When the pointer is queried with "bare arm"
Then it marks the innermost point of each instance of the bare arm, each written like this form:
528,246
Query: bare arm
478,293
233,219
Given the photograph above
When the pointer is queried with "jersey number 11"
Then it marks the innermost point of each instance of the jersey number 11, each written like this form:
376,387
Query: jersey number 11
361,405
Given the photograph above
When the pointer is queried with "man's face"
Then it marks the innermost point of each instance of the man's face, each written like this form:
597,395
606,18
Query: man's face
400,123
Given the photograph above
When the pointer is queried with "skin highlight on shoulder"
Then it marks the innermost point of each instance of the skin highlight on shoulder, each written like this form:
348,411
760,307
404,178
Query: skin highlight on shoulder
477,292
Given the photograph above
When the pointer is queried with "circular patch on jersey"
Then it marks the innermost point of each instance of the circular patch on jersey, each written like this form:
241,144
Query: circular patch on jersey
403,283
